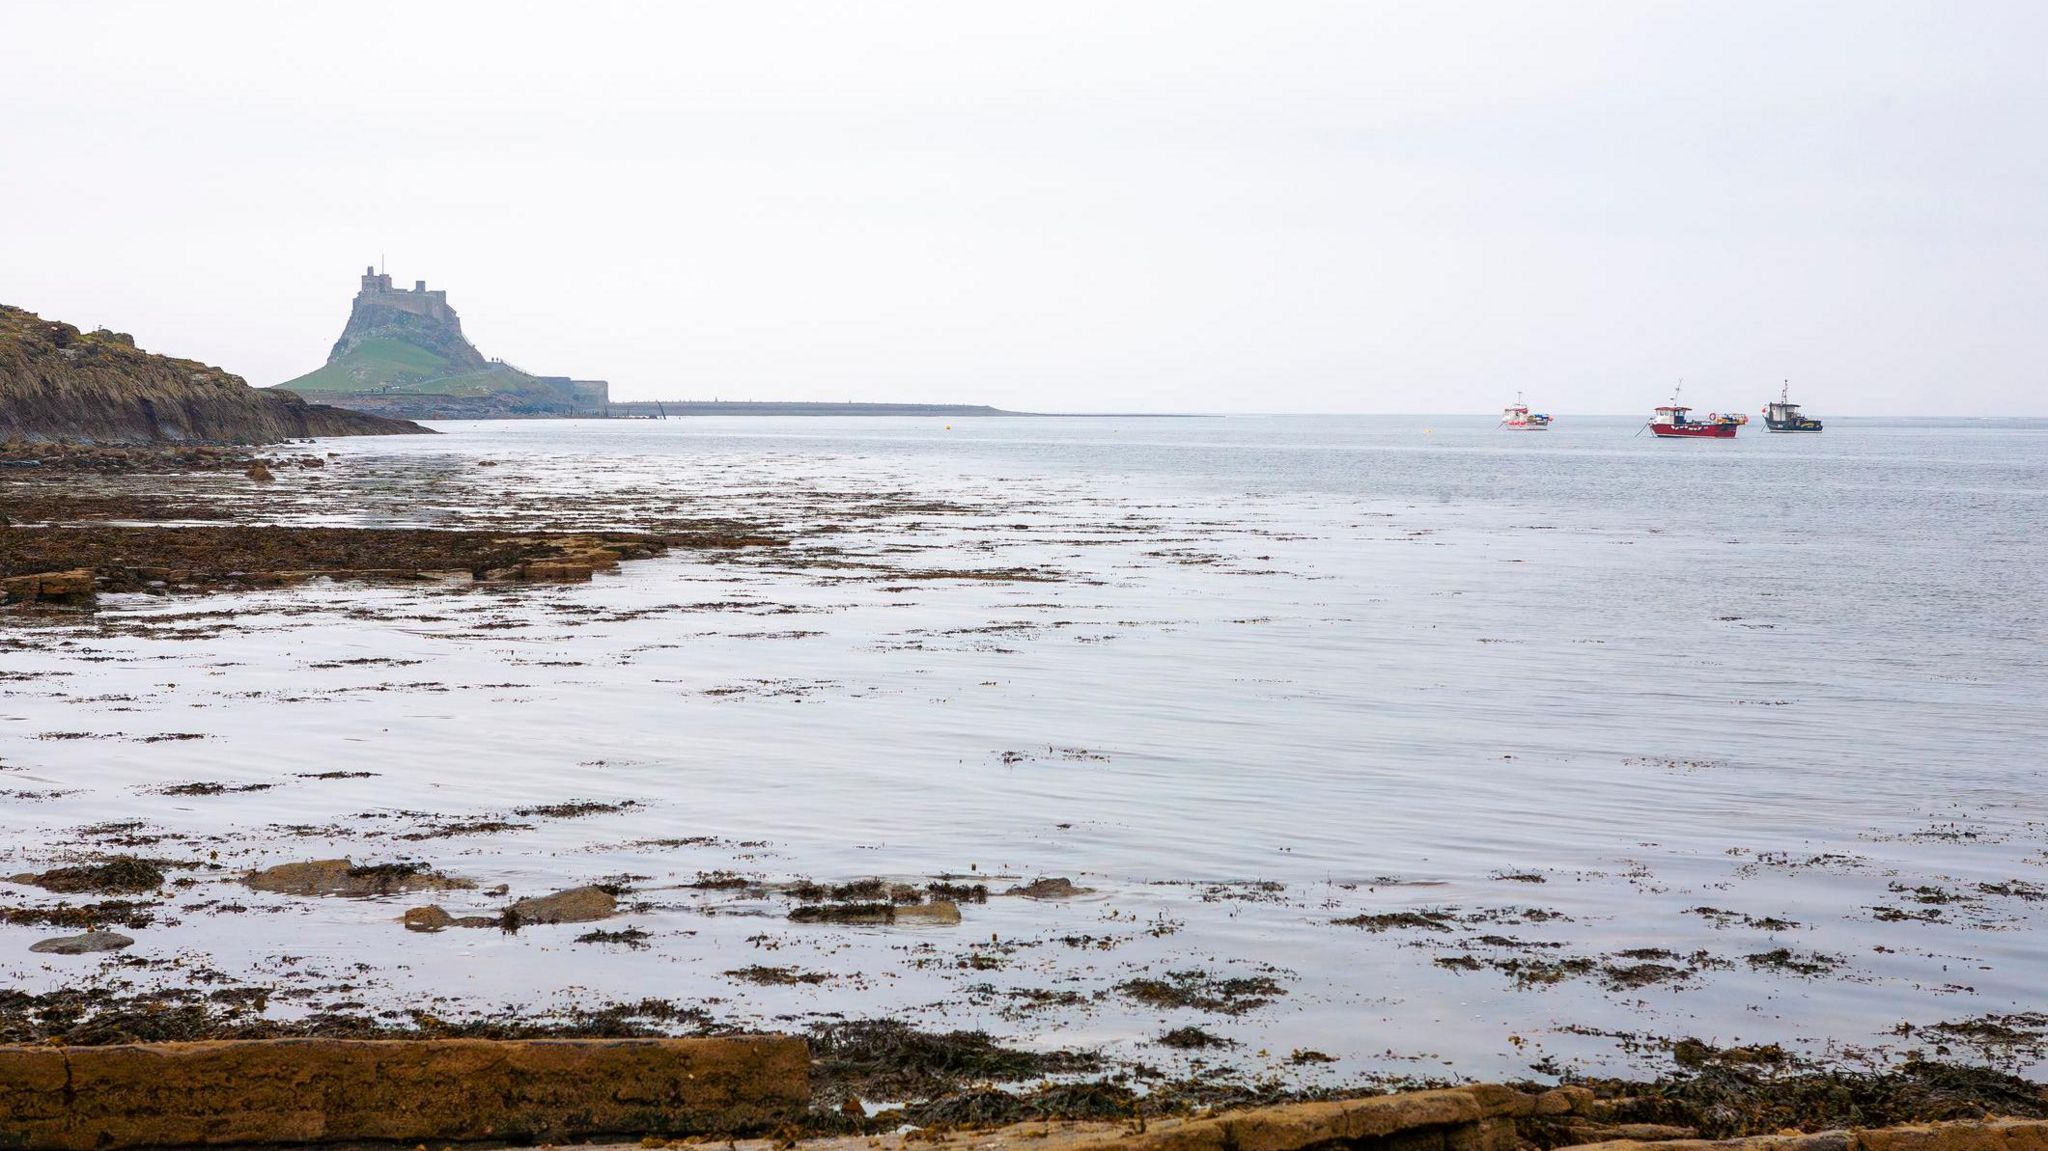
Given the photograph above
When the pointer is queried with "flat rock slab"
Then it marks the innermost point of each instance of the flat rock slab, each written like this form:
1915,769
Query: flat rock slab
89,943
276,1091
1395,1125
1057,887
434,917
1961,1135
343,877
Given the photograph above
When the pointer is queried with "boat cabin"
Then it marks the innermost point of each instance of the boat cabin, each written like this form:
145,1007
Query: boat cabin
1782,415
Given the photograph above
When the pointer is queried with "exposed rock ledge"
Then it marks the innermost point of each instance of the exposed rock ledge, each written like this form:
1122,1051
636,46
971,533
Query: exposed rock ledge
343,1091
283,1091
59,383
72,564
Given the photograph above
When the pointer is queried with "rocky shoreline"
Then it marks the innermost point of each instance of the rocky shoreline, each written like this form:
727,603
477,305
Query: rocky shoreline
70,566
59,383
668,1092
185,521
59,548
875,1078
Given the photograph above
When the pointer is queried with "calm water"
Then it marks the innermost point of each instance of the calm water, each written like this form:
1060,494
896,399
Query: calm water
1558,691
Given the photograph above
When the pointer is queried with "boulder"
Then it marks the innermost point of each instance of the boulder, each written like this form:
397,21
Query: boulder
428,918
90,943
74,586
434,917
576,905
1055,887
1564,1101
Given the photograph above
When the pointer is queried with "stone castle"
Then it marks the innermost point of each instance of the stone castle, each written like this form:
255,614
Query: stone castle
377,289
417,317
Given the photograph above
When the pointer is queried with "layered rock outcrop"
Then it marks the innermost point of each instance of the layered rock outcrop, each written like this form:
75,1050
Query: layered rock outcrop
287,1091
58,383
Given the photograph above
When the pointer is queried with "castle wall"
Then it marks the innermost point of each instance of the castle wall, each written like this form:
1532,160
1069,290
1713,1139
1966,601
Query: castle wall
417,300
433,305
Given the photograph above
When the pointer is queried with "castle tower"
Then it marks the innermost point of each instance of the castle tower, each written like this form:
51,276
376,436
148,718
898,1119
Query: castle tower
412,315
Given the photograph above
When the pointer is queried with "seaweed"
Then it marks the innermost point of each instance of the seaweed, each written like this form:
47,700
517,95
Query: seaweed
122,875
1204,992
886,1058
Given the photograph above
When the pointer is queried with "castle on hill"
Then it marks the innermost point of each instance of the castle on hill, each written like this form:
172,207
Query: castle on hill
377,289
403,350
417,317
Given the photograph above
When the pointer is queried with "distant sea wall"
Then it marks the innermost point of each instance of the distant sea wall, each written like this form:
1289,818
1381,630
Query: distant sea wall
589,402
657,409
494,406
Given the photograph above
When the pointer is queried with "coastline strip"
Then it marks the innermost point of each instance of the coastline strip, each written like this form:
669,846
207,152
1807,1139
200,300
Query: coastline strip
276,1091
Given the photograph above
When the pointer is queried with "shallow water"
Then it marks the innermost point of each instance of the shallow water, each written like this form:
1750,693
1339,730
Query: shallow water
1272,673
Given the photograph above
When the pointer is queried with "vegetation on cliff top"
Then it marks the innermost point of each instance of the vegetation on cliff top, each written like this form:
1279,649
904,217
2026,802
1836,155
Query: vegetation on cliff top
57,382
390,365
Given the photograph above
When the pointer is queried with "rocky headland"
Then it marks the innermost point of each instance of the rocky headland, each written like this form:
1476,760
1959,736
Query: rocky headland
58,383
402,353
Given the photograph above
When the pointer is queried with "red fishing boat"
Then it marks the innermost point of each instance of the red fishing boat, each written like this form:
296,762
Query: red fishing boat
1518,418
1674,421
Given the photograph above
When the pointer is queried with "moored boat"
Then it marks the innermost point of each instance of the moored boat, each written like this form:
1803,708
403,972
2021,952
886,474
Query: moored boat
1782,415
1674,421
1518,417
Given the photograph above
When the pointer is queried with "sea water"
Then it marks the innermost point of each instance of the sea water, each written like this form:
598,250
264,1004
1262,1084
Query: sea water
1618,719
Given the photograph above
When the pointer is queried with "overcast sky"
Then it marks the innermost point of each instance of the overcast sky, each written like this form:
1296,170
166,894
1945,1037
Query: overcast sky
1359,207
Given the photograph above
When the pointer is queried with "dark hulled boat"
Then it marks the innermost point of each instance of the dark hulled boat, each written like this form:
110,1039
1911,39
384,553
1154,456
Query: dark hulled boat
1782,415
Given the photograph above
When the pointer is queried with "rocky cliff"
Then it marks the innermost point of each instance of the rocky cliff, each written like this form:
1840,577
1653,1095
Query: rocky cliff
57,382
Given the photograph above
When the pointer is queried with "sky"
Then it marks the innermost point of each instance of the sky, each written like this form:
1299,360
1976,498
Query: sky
1053,206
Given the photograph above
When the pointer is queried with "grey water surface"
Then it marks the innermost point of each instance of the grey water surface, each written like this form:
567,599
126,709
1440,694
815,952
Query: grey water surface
1618,719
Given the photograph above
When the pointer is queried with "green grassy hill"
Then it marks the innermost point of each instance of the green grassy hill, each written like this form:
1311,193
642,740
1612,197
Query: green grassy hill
394,367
